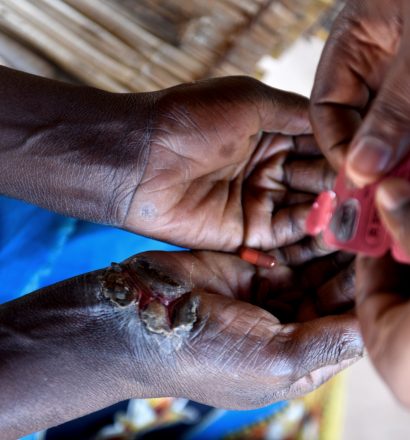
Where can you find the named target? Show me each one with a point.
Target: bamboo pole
(102, 41)
(115, 47)
(149, 42)
(4, 63)
(114, 19)
(163, 19)
(185, 50)
(118, 43)
(244, 6)
(15, 24)
(19, 57)
(70, 40)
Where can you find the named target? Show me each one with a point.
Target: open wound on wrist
(165, 306)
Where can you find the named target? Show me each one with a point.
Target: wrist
(75, 150)
(65, 340)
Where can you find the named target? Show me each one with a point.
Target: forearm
(69, 148)
(64, 353)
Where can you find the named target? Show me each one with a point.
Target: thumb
(393, 200)
(283, 112)
(383, 139)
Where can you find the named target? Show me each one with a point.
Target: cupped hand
(383, 295)
(231, 163)
(216, 343)
(361, 99)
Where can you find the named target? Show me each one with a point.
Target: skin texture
(68, 148)
(221, 345)
(361, 99)
(192, 165)
(361, 112)
(383, 293)
(210, 161)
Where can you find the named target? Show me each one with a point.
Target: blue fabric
(38, 247)
(30, 241)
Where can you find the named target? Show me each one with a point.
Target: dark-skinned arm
(165, 324)
(67, 148)
(212, 164)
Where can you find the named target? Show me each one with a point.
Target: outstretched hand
(221, 346)
(231, 163)
(201, 325)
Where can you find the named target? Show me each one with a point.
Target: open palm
(219, 345)
(230, 164)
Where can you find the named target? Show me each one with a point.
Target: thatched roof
(127, 45)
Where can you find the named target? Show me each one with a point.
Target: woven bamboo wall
(139, 45)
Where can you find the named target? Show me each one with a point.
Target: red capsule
(257, 258)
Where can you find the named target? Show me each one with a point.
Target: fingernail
(369, 157)
(393, 194)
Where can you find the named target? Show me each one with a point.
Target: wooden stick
(17, 56)
(71, 41)
(4, 63)
(114, 19)
(101, 40)
(106, 42)
(14, 23)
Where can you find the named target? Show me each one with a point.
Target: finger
(305, 250)
(269, 186)
(273, 167)
(313, 176)
(266, 229)
(377, 290)
(383, 139)
(320, 288)
(289, 198)
(359, 50)
(338, 98)
(272, 148)
(305, 145)
(313, 380)
(283, 112)
(337, 294)
(288, 225)
(393, 200)
(315, 274)
(269, 283)
(383, 310)
(278, 147)
(326, 289)
(322, 342)
(249, 342)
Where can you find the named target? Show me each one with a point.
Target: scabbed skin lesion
(116, 286)
(165, 305)
(179, 318)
